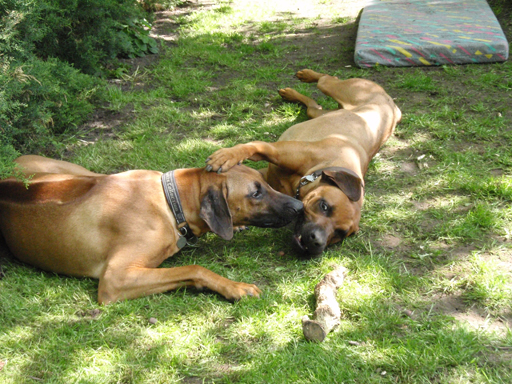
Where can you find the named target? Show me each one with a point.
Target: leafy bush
(140, 43)
(38, 100)
(86, 33)
(48, 50)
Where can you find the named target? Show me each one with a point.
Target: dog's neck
(190, 195)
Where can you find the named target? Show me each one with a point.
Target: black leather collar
(172, 196)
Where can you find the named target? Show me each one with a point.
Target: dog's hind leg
(349, 93)
(314, 109)
(309, 76)
(329, 85)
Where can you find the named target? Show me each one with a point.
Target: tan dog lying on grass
(323, 161)
(119, 228)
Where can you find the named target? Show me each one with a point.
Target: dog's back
(30, 164)
(35, 220)
(44, 188)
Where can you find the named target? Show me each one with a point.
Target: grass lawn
(428, 296)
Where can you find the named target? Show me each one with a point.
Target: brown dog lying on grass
(119, 228)
(323, 161)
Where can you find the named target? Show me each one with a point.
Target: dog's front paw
(224, 159)
(237, 291)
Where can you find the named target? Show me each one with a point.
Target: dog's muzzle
(309, 239)
(283, 215)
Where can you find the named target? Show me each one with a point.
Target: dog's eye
(258, 192)
(324, 206)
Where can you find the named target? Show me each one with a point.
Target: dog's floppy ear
(347, 181)
(215, 212)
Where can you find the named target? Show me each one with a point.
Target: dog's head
(332, 211)
(241, 197)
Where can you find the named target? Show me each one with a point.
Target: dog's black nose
(296, 205)
(315, 239)
(310, 239)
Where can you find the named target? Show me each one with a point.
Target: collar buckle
(308, 179)
(304, 180)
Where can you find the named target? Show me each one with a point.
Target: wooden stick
(327, 314)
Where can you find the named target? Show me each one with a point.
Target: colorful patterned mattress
(426, 32)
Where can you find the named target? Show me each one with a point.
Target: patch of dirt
(389, 241)
(166, 24)
(409, 168)
(104, 125)
(454, 306)
(421, 205)
(89, 314)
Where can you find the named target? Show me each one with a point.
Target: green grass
(428, 296)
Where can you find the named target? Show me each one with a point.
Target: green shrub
(48, 50)
(39, 99)
(49, 96)
(85, 33)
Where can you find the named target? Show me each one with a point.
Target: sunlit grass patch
(487, 284)
(489, 187)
